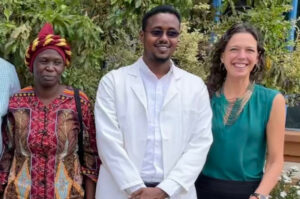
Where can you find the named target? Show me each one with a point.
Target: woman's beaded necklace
(234, 106)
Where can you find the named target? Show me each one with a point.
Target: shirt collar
(144, 69)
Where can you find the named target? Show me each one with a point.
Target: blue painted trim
(217, 6)
(293, 17)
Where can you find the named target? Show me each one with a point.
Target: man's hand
(149, 193)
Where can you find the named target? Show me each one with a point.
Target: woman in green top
(248, 122)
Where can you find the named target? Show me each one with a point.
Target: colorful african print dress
(40, 157)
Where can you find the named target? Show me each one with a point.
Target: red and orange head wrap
(47, 40)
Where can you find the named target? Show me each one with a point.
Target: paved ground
(287, 165)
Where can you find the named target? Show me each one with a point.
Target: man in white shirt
(153, 120)
(9, 84)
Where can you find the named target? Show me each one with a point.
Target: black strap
(80, 136)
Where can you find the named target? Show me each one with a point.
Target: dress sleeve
(7, 150)
(91, 159)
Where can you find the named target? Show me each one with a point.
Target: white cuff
(170, 187)
(134, 188)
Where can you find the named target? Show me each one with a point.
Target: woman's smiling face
(240, 55)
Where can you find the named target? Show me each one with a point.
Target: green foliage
(21, 21)
(284, 73)
(104, 35)
(131, 12)
(85, 79)
(288, 186)
(187, 55)
(269, 17)
(201, 17)
(123, 51)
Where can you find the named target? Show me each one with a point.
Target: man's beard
(161, 60)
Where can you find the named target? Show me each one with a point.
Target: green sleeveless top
(239, 149)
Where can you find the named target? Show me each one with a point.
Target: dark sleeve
(91, 158)
(7, 149)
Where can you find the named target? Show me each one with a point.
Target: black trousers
(211, 188)
(151, 184)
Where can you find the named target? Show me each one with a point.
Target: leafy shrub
(20, 22)
(104, 35)
(288, 187)
(190, 54)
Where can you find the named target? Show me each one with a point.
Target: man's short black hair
(157, 10)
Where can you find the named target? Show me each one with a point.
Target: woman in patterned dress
(40, 159)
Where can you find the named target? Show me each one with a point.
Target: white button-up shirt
(152, 167)
(9, 84)
(156, 89)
